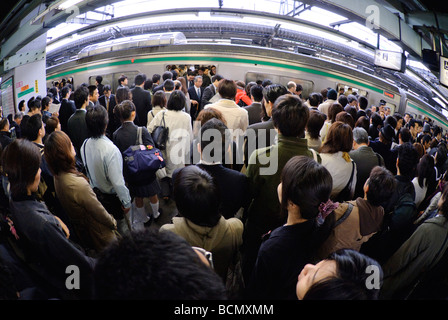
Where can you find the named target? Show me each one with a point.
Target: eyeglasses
(208, 255)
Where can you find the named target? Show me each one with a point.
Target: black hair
(140, 79)
(96, 121)
(121, 79)
(405, 134)
(350, 280)
(256, 91)
(155, 77)
(197, 197)
(315, 124)
(273, 91)
(376, 120)
(343, 100)
(21, 160)
(152, 265)
(217, 77)
(45, 102)
(123, 93)
(99, 79)
(64, 91)
(92, 89)
(21, 105)
(33, 125)
(391, 120)
(382, 184)
(80, 96)
(363, 102)
(159, 99)
(290, 115)
(176, 101)
(407, 160)
(305, 183)
(425, 170)
(314, 99)
(167, 75)
(168, 85)
(124, 110)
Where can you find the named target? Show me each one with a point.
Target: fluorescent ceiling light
(67, 4)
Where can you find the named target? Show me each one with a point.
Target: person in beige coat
(93, 225)
(201, 224)
(358, 220)
(237, 118)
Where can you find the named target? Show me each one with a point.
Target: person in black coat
(141, 99)
(210, 90)
(233, 185)
(76, 125)
(66, 109)
(124, 137)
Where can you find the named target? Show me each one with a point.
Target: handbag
(142, 161)
(160, 134)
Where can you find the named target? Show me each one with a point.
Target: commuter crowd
(278, 196)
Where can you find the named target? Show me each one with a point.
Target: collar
(294, 140)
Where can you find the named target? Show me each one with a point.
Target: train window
(308, 86)
(346, 90)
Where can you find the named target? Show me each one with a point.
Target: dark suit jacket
(112, 102)
(208, 93)
(254, 112)
(365, 159)
(255, 129)
(77, 130)
(194, 96)
(66, 110)
(126, 136)
(233, 187)
(142, 101)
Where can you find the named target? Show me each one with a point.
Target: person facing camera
(344, 275)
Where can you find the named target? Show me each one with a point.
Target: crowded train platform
(217, 178)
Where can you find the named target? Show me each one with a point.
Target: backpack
(141, 162)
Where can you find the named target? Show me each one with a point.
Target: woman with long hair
(303, 192)
(335, 157)
(94, 226)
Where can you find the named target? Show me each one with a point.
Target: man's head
(81, 97)
(198, 81)
(93, 94)
(407, 160)
(140, 79)
(152, 265)
(360, 137)
(290, 116)
(380, 186)
(96, 121)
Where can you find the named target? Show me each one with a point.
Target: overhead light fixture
(67, 4)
